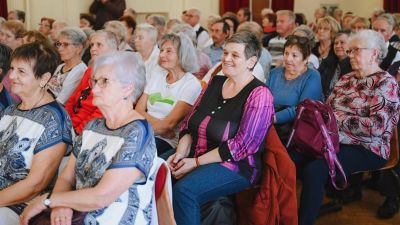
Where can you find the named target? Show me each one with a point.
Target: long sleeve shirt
(236, 126)
(366, 110)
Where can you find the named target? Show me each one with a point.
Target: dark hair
(252, 46)
(48, 19)
(300, 19)
(129, 21)
(225, 26)
(5, 54)
(42, 57)
(347, 32)
(272, 18)
(246, 12)
(302, 43)
(234, 20)
(89, 17)
(20, 15)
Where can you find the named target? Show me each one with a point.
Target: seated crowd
(88, 116)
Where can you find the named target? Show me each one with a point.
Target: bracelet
(197, 162)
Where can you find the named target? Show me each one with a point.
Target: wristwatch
(47, 201)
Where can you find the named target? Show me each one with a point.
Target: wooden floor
(359, 213)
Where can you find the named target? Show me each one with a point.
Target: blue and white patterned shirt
(24, 133)
(99, 149)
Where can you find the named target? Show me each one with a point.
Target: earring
(125, 98)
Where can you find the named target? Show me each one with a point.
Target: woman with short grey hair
(117, 149)
(172, 90)
(118, 28)
(70, 44)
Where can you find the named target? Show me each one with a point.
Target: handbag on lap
(315, 134)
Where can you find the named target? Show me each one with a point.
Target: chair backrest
(394, 151)
(163, 194)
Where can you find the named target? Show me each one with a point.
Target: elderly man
(285, 23)
(385, 24)
(193, 19)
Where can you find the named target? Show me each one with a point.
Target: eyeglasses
(293, 39)
(63, 44)
(354, 50)
(83, 96)
(44, 25)
(102, 82)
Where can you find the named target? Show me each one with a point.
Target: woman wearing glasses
(110, 174)
(70, 43)
(292, 83)
(79, 106)
(366, 106)
(34, 134)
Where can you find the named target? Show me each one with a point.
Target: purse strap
(330, 154)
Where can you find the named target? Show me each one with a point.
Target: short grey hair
(158, 20)
(74, 34)
(186, 51)
(150, 29)
(307, 32)
(187, 30)
(290, 14)
(118, 28)
(371, 39)
(111, 39)
(127, 68)
(252, 45)
(389, 18)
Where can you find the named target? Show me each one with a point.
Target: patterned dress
(24, 133)
(99, 149)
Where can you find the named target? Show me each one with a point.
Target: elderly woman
(80, 106)
(327, 27)
(359, 23)
(5, 55)
(293, 83)
(146, 45)
(365, 130)
(34, 134)
(172, 90)
(70, 43)
(11, 33)
(45, 25)
(332, 70)
(120, 31)
(203, 59)
(117, 149)
(222, 138)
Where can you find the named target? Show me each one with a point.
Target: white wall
(68, 10)
(358, 7)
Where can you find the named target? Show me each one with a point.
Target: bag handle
(330, 154)
(301, 109)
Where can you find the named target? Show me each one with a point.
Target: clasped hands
(180, 165)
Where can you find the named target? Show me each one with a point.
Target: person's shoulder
(277, 70)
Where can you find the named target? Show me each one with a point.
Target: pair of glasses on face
(63, 44)
(83, 96)
(101, 82)
(354, 50)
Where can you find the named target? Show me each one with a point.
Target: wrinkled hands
(34, 208)
(59, 216)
